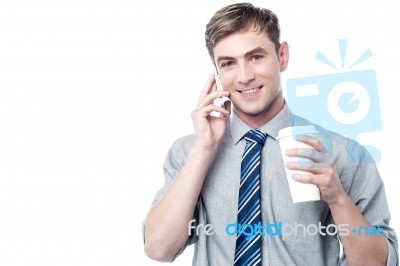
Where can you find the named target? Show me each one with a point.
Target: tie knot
(255, 135)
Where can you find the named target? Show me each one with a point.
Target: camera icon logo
(345, 102)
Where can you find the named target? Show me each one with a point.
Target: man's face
(250, 70)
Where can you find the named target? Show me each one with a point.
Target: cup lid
(296, 130)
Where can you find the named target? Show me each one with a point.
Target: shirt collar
(283, 119)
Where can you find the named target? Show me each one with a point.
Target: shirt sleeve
(364, 185)
(173, 164)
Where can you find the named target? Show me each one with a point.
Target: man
(203, 174)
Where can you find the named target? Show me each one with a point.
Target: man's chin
(249, 111)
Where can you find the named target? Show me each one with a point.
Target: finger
(307, 166)
(206, 110)
(209, 99)
(316, 179)
(314, 142)
(208, 87)
(227, 107)
(311, 154)
(306, 178)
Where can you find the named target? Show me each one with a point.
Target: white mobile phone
(220, 100)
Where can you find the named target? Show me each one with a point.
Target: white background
(92, 94)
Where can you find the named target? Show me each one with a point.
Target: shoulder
(178, 152)
(184, 142)
(181, 146)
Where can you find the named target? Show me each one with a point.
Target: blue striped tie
(248, 250)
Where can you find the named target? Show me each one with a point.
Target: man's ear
(283, 55)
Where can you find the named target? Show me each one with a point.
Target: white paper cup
(286, 137)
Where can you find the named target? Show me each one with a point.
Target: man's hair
(241, 17)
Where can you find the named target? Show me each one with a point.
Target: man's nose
(245, 74)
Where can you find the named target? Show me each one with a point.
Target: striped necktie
(248, 249)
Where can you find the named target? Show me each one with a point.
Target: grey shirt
(217, 204)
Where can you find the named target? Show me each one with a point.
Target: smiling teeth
(250, 91)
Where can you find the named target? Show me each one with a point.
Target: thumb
(228, 107)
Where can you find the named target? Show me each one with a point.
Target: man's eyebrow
(222, 58)
(254, 51)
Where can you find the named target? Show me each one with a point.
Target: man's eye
(227, 64)
(256, 57)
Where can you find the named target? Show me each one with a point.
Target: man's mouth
(252, 90)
